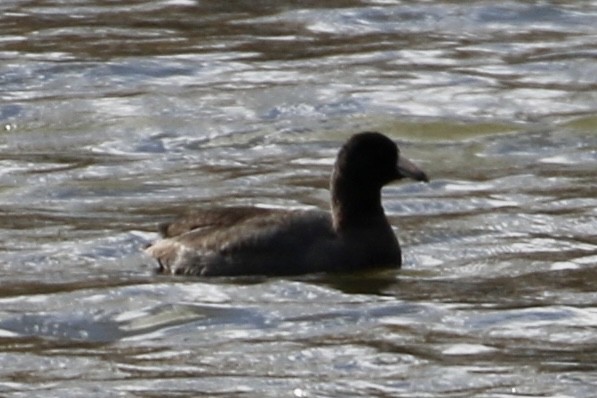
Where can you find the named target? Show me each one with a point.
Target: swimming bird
(355, 236)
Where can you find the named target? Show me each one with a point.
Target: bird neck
(355, 205)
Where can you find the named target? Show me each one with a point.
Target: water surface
(117, 116)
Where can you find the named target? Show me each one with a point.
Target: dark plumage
(257, 241)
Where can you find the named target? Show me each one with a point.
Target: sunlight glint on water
(115, 117)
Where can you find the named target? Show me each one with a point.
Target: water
(116, 116)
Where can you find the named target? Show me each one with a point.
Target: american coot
(258, 241)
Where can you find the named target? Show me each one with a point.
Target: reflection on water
(118, 116)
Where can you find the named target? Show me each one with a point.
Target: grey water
(115, 116)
